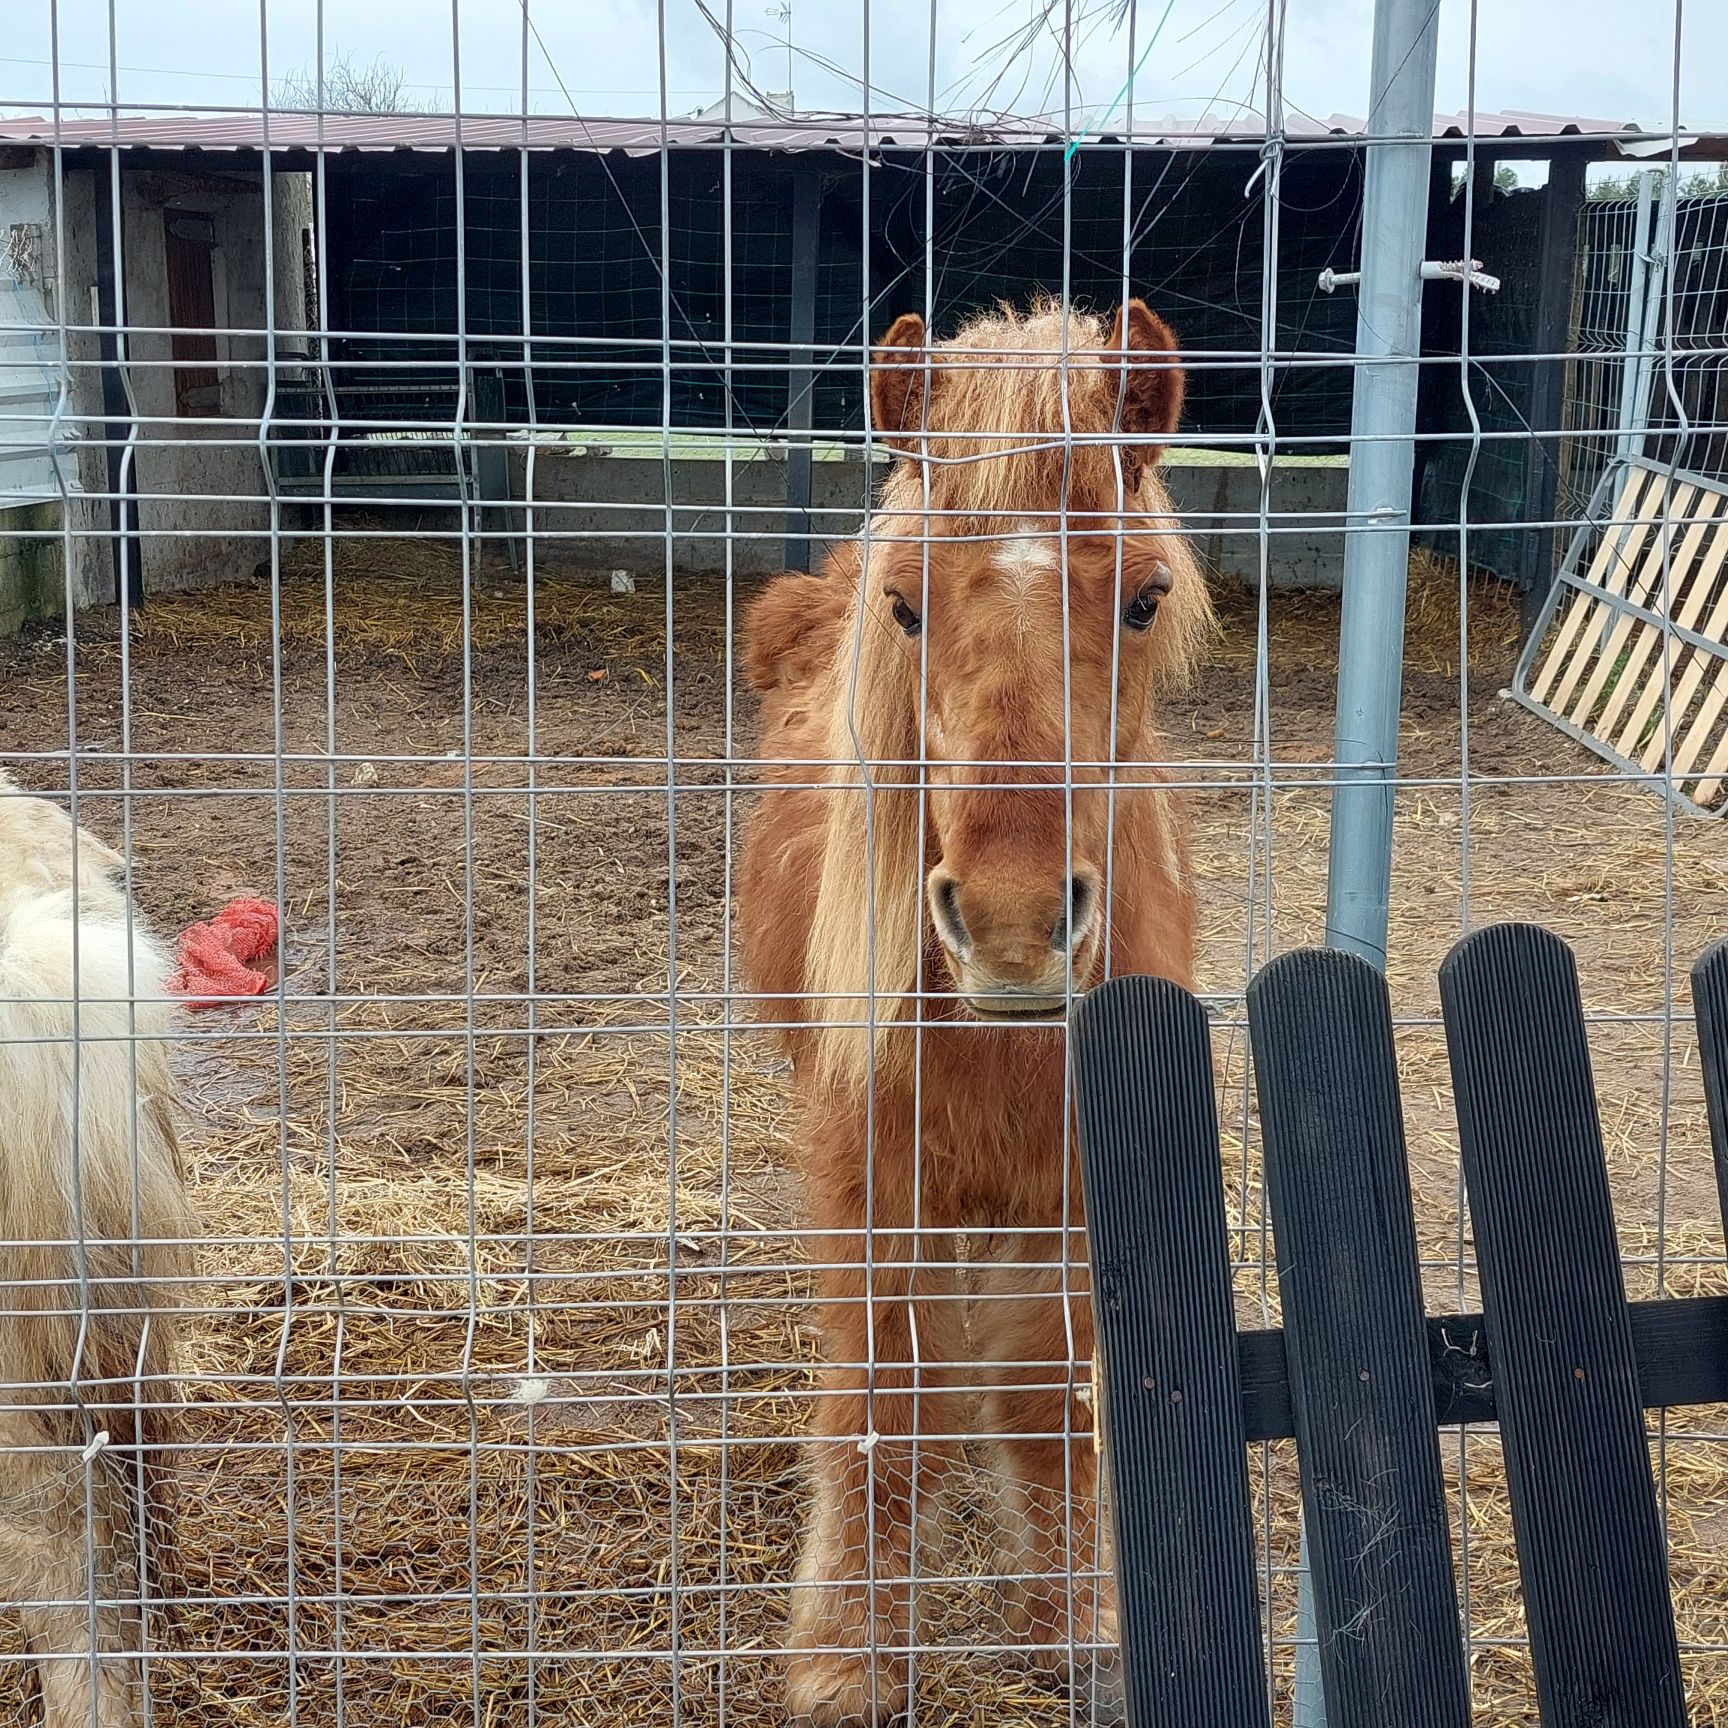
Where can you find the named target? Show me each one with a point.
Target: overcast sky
(1598, 58)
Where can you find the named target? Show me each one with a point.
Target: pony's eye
(906, 618)
(1142, 609)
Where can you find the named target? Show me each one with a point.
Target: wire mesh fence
(624, 1255)
(1624, 396)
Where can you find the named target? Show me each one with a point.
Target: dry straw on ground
(428, 1413)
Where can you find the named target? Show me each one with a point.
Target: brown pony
(921, 908)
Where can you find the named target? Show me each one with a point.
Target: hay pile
(429, 1417)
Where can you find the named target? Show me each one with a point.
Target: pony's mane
(868, 924)
(995, 432)
(992, 432)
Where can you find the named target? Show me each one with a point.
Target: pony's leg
(1030, 1323)
(59, 1638)
(47, 1547)
(885, 1431)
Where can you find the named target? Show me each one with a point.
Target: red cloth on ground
(215, 957)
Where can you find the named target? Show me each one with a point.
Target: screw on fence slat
(1710, 1005)
(1361, 1378)
(1590, 1541)
(1165, 1320)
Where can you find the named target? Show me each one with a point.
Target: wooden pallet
(1631, 653)
(1359, 1374)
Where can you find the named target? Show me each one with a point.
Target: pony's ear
(897, 381)
(1154, 382)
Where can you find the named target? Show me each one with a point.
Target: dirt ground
(439, 1178)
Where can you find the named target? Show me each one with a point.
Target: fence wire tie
(98, 1443)
(1273, 147)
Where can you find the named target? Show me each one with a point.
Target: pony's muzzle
(1016, 949)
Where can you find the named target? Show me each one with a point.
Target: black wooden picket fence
(1359, 1374)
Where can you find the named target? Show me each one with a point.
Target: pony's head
(1022, 595)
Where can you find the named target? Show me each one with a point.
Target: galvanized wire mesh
(382, 548)
(1629, 318)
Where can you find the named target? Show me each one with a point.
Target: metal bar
(1639, 303)
(800, 373)
(1382, 429)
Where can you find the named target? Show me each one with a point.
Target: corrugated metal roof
(435, 132)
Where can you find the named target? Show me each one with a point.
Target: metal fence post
(1637, 307)
(1399, 148)
(1382, 444)
(1644, 318)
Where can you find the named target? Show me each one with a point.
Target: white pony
(95, 1236)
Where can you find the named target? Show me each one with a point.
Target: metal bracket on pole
(1431, 270)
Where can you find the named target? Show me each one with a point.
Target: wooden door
(190, 241)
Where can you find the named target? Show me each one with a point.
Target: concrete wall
(199, 483)
(1304, 542)
(32, 583)
(92, 536)
(609, 511)
(203, 499)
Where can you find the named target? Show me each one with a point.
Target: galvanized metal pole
(1382, 447)
(1637, 310)
(1649, 284)
(1377, 541)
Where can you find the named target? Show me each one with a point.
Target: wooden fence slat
(1696, 669)
(1165, 1321)
(1710, 1007)
(1617, 579)
(1590, 1542)
(1610, 572)
(1620, 632)
(1709, 773)
(1680, 1344)
(1635, 501)
(1688, 610)
(1356, 1342)
(1674, 598)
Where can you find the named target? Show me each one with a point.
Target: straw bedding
(427, 1408)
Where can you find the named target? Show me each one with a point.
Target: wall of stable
(32, 572)
(606, 506)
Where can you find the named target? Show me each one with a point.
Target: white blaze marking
(1022, 562)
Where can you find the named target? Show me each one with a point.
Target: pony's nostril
(1076, 920)
(945, 910)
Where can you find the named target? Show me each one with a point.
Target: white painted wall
(45, 290)
(30, 346)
